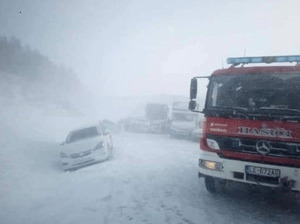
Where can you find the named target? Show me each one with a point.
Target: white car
(86, 146)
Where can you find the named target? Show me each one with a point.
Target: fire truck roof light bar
(271, 59)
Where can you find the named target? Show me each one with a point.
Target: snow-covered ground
(150, 179)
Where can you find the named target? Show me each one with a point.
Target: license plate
(262, 171)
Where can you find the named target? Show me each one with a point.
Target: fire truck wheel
(214, 185)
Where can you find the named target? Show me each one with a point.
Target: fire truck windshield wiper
(281, 110)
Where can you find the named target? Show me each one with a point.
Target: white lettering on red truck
(269, 132)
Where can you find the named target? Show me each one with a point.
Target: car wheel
(214, 185)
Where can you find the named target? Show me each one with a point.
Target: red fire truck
(251, 132)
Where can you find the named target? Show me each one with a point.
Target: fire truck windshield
(254, 95)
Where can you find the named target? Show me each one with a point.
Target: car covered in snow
(85, 146)
(136, 124)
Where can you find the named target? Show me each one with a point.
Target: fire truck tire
(214, 185)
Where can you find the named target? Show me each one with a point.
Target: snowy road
(150, 179)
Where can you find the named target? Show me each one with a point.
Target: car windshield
(255, 93)
(82, 134)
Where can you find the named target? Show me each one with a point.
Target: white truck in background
(184, 123)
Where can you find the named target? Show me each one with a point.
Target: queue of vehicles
(249, 134)
(175, 120)
(93, 144)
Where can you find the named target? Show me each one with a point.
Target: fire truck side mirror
(192, 105)
(193, 89)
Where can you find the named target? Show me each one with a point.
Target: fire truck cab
(251, 131)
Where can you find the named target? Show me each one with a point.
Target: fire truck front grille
(274, 148)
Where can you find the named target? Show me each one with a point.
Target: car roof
(85, 126)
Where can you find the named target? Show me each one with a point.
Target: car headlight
(100, 145)
(63, 155)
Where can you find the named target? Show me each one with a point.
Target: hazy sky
(150, 47)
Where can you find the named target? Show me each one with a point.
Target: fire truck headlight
(212, 144)
(211, 165)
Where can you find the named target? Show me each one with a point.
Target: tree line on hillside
(36, 77)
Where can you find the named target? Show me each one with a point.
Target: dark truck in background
(251, 131)
(159, 117)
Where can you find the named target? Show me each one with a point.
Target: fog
(134, 48)
(65, 64)
(119, 55)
